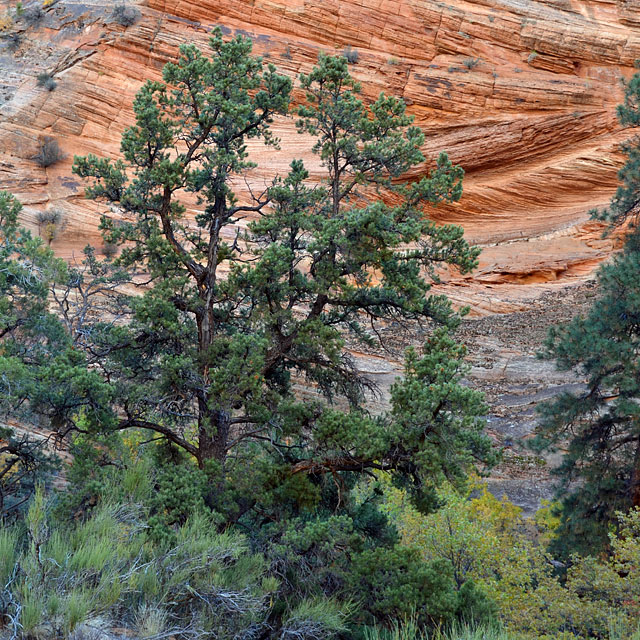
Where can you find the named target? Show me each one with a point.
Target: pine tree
(188, 358)
(48, 371)
(32, 344)
(600, 471)
(625, 204)
(240, 390)
(209, 362)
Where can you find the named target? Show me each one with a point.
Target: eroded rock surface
(521, 94)
(505, 365)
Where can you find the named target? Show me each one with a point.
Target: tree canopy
(600, 471)
(208, 362)
(225, 365)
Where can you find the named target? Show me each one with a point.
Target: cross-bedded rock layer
(521, 93)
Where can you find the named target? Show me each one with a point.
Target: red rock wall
(521, 93)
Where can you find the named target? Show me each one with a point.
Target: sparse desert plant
(408, 629)
(125, 15)
(315, 620)
(33, 15)
(19, 9)
(150, 621)
(471, 63)
(532, 56)
(405, 630)
(46, 81)
(86, 632)
(109, 250)
(49, 152)
(77, 608)
(62, 576)
(6, 22)
(13, 40)
(50, 222)
(350, 54)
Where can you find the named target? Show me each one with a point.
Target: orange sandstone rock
(521, 94)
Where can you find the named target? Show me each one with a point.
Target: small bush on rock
(49, 152)
(46, 81)
(109, 250)
(350, 54)
(50, 223)
(125, 15)
(14, 40)
(33, 15)
(6, 22)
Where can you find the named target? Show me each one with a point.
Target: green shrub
(408, 629)
(8, 550)
(46, 81)
(393, 583)
(31, 615)
(150, 621)
(65, 575)
(318, 619)
(77, 607)
(405, 630)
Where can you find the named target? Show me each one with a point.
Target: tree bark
(213, 436)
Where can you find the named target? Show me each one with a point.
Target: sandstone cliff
(522, 94)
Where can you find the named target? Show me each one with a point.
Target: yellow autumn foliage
(487, 540)
(6, 22)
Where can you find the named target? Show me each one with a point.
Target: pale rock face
(521, 94)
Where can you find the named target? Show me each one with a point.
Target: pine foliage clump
(600, 471)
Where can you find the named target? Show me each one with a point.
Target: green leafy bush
(392, 583)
